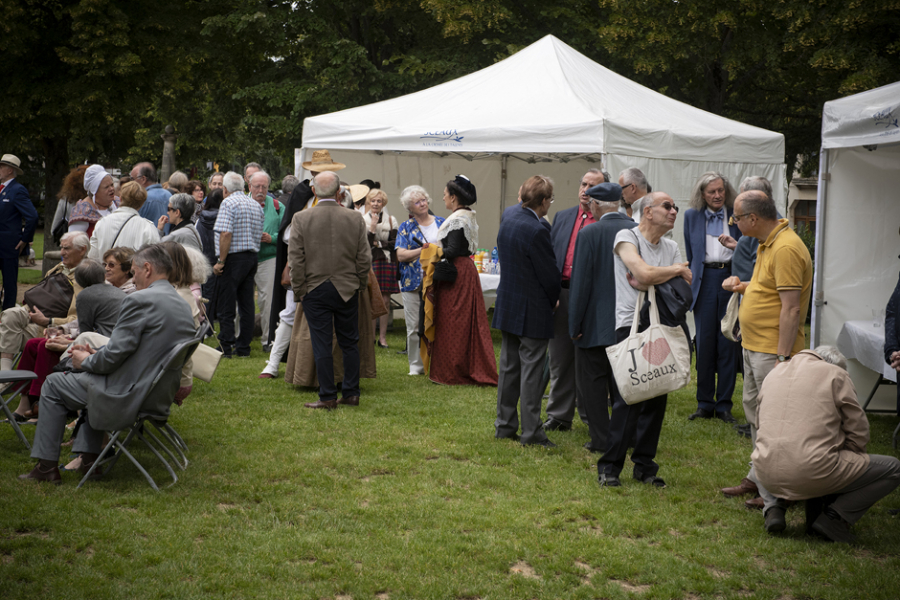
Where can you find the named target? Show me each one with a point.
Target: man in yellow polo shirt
(772, 316)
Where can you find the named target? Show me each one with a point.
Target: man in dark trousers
(592, 309)
(15, 207)
(526, 298)
(330, 260)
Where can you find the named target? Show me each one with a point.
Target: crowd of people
(323, 259)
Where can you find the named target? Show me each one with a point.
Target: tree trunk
(56, 167)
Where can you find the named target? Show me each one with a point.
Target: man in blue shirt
(157, 198)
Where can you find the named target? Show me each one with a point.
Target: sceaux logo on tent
(886, 118)
(447, 137)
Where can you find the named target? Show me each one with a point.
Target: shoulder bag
(653, 362)
(53, 296)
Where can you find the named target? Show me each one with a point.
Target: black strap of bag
(115, 239)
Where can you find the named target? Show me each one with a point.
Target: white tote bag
(653, 362)
(731, 326)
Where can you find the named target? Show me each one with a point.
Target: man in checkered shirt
(239, 227)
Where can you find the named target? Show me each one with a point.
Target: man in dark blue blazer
(710, 241)
(526, 298)
(567, 224)
(15, 207)
(592, 309)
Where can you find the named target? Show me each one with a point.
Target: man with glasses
(643, 257)
(592, 309)
(634, 187)
(773, 314)
(265, 271)
(567, 224)
(157, 198)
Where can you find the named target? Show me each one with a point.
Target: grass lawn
(410, 496)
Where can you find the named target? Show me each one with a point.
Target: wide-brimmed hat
(359, 192)
(321, 161)
(12, 161)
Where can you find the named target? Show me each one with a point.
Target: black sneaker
(775, 522)
(832, 527)
(651, 480)
(608, 480)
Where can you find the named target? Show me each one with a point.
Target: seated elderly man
(812, 441)
(116, 377)
(18, 324)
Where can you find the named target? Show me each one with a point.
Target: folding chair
(173, 365)
(18, 381)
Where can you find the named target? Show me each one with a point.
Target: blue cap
(605, 192)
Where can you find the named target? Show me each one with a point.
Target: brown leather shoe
(39, 473)
(326, 404)
(349, 401)
(746, 487)
(755, 503)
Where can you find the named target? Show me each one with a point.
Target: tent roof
(869, 118)
(546, 98)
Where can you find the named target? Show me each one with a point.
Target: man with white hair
(330, 261)
(265, 270)
(239, 226)
(634, 186)
(811, 446)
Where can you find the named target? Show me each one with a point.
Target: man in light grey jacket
(116, 378)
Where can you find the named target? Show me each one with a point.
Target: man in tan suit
(330, 261)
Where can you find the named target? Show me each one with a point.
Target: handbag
(205, 359)
(445, 271)
(731, 326)
(652, 362)
(53, 296)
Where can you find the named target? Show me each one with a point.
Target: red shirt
(584, 218)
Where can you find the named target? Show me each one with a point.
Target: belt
(717, 265)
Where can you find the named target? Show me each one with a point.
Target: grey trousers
(880, 479)
(563, 393)
(757, 365)
(521, 369)
(61, 393)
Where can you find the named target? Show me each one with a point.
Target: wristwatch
(220, 262)
(782, 358)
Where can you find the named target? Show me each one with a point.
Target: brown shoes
(326, 404)
(755, 503)
(349, 401)
(48, 474)
(746, 487)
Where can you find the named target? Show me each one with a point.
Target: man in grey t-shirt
(643, 258)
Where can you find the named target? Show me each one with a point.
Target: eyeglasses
(667, 206)
(170, 208)
(736, 218)
(552, 199)
(110, 265)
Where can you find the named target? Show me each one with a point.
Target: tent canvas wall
(545, 110)
(857, 219)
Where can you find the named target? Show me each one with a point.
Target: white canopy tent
(857, 219)
(545, 110)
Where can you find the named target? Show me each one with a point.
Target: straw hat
(11, 161)
(321, 161)
(359, 192)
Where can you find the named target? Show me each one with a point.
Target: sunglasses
(667, 206)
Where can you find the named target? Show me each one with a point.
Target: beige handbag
(205, 358)
(731, 326)
(653, 362)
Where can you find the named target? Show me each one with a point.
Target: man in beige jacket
(812, 441)
(330, 260)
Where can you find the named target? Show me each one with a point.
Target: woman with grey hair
(183, 231)
(413, 235)
(710, 241)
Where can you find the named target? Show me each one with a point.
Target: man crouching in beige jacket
(812, 444)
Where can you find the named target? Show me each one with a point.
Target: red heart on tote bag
(656, 352)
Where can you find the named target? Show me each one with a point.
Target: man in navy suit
(526, 298)
(566, 226)
(710, 241)
(15, 207)
(592, 309)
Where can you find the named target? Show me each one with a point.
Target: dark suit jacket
(151, 323)
(695, 243)
(529, 285)
(509, 209)
(592, 292)
(329, 243)
(15, 206)
(563, 222)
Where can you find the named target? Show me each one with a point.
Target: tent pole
(503, 160)
(818, 293)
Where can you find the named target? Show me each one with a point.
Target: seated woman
(182, 277)
(180, 211)
(100, 202)
(18, 324)
(98, 310)
(117, 262)
(457, 338)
